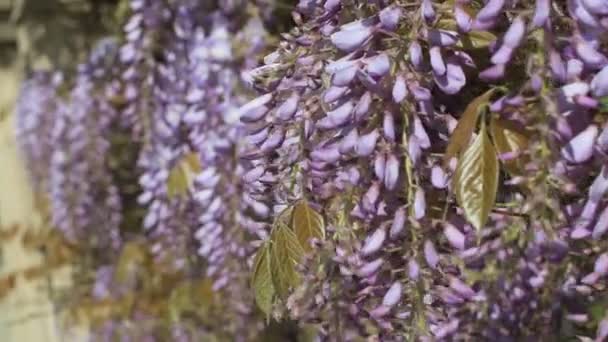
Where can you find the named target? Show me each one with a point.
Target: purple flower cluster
(358, 101)
(355, 109)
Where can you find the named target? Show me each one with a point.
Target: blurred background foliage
(36, 261)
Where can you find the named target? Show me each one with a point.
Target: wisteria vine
(385, 170)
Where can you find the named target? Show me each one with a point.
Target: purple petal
(493, 73)
(251, 110)
(601, 226)
(341, 115)
(558, 68)
(442, 37)
(599, 7)
(374, 242)
(343, 77)
(541, 13)
(439, 178)
(427, 11)
(502, 55)
(389, 17)
(334, 93)
(589, 55)
(362, 108)
(275, 139)
(454, 78)
(413, 269)
(398, 223)
(491, 10)
(415, 53)
(379, 166)
(515, 34)
(463, 19)
(388, 126)
(352, 38)
(379, 65)
(437, 62)
(419, 204)
(370, 268)
(349, 142)
(601, 265)
(599, 83)
(391, 174)
(399, 89)
(393, 295)
(420, 133)
(367, 144)
(580, 148)
(288, 108)
(454, 236)
(430, 254)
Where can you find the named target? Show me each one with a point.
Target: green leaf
(466, 126)
(476, 40)
(476, 179)
(285, 254)
(182, 175)
(307, 224)
(510, 138)
(262, 280)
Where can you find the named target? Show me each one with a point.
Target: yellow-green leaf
(508, 138)
(261, 282)
(466, 126)
(476, 179)
(182, 175)
(285, 254)
(131, 261)
(307, 224)
(476, 40)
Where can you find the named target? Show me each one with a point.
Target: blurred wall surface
(34, 34)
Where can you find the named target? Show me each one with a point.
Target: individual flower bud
(515, 34)
(334, 93)
(493, 73)
(367, 144)
(419, 204)
(398, 223)
(541, 13)
(601, 226)
(558, 68)
(388, 126)
(413, 269)
(371, 197)
(351, 36)
(427, 11)
(420, 93)
(437, 62)
(254, 174)
(379, 166)
(391, 174)
(461, 288)
(349, 142)
(598, 7)
(430, 254)
(580, 148)
(454, 78)
(326, 154)
(490, 11)
(258, 137)
(581, 14)
(275, 139)
(255, 109)
(439, 178)
(442, 37)
(342, 114)
(413, 150)
(599, 83)
(370, 268)
(362, 107)
(374, 242)
(502, 55)
(463, 19)
(574, 68)
(415, 53)
(389, 17)
(393, 295)
(589, 55)
(399, 89)
(454, 236)
(378, 65)
(601, 265)
(344, 77)
(420, 133)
